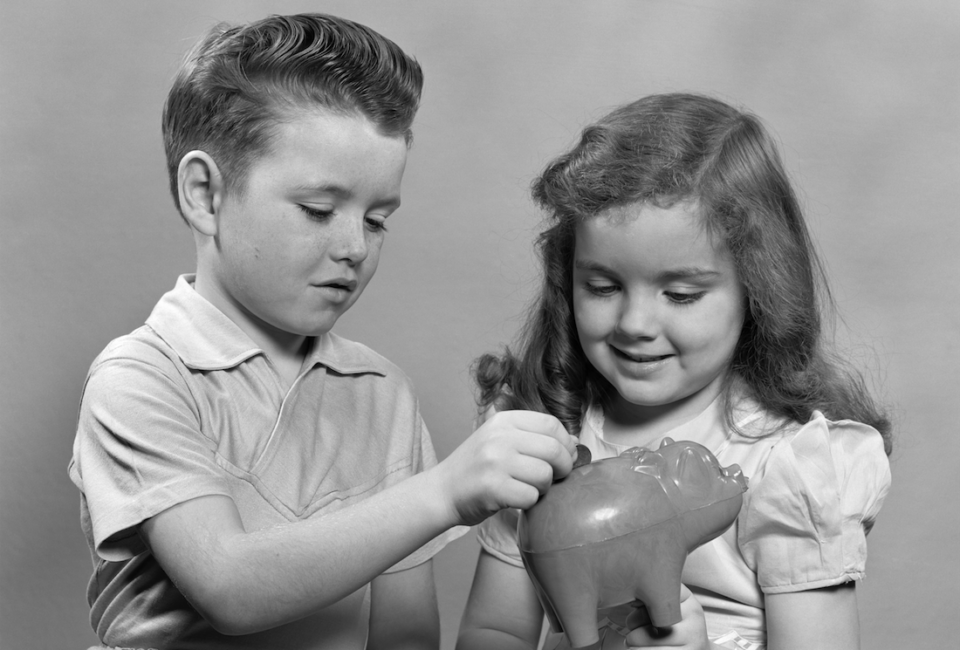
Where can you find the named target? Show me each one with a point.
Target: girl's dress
(814, 492)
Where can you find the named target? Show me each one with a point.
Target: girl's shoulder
(785, 445)
(814, 494)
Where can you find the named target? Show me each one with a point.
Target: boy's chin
(309, 329)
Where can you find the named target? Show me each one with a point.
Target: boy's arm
(403, 610)
(503, 610)
(243, 582)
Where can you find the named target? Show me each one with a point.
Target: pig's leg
(568, 584)
(657, 582)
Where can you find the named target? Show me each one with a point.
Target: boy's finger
(532, 471)
(543, 424)
(534, 422)
(545, 448)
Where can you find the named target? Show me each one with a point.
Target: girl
(682, 298)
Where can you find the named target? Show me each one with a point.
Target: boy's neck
(285, 350)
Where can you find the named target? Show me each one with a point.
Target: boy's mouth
(340, 284)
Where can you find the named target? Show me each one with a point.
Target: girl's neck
(635, 424)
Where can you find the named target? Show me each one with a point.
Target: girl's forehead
(649, 235)
(688, 208)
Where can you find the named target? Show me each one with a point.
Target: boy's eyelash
(377, 226)
(320, 215)
(313, 213)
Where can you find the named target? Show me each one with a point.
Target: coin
(583, 456)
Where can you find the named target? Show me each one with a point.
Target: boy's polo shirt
(188, 406)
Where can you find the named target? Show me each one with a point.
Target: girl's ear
(201, 191)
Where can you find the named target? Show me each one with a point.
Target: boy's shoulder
(352, 357)
(142, 344)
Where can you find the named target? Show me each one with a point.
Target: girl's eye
(684, 298)
(376, 225)
(600, 289)
(314, 213)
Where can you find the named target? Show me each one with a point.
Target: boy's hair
(664, 149)
(238, 82)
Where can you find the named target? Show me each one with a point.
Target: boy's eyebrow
(343, 193)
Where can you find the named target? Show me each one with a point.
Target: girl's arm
(689, 634)
(503, 611)
(403, 610)
(826, 619)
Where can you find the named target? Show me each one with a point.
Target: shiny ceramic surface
(618, 530)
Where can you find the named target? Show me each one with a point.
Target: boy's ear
(201, 191)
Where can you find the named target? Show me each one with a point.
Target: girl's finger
(650, 638)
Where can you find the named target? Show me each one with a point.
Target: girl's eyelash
(684, 298)
(600, 290)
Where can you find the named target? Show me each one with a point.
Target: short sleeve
(805, 518)
(498, 536)
(139, 449)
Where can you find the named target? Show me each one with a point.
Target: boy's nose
(351, 241)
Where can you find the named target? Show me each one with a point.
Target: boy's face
(299, 243)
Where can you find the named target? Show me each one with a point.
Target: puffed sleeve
(805, 518)
(498, 536)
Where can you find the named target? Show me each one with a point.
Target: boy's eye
(681, 298)
(314, 213)
(376, 225)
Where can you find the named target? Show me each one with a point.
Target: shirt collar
(206, 339)
(343, 356)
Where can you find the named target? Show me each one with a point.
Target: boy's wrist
(436, 498)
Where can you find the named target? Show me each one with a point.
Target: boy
(245, 473)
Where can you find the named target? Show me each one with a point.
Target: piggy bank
(618, 530)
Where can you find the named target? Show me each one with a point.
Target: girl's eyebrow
(689, 273)
(680, 273)
(587, 265)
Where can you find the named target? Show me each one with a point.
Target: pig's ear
(666, 441)
(693, 475)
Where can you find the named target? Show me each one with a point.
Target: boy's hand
(690, 633)
(506, 463)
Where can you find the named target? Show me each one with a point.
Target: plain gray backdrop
(863, 96)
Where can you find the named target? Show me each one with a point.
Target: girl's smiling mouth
(640, 358)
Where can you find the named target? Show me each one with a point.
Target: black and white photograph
(502, 325)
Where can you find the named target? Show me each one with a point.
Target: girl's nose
(638, 319)
(351, 240)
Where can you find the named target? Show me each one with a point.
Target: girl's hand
(690, 633)
(506, 463)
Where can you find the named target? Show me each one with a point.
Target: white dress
(815, 491)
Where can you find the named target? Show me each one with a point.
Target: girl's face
(658, 308)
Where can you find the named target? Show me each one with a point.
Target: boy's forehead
(320, 149)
